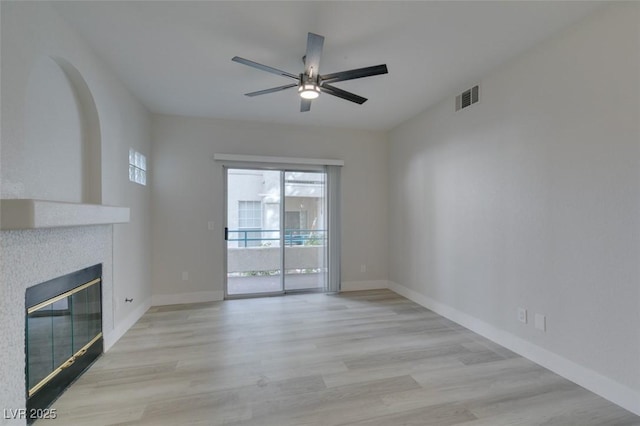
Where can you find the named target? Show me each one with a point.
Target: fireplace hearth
(63, 333)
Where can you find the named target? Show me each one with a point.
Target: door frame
(282, 168)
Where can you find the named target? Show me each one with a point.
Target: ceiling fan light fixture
(309, 90)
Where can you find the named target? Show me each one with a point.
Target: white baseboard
(364, 285)
(607, 388)
(180, 298)
(111, 337)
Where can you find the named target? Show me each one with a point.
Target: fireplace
(63, 333)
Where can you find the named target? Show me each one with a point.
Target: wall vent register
(467, 98)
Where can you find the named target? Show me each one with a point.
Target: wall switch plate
(522, 315)
(363, 268)
(541, 322)
(185, 276)
(210, 226)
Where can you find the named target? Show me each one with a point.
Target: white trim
(364, 285)
(333, 223)
(33, 214)
(277, 160)
(111, 337)
(595, 382)
(223, 241)
(180, 298)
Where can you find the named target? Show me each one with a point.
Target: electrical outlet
(210, 226)
(363, 268)
(541, 322)
(522, 315)
(185, 276)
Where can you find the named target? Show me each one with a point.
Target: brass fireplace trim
(62, 296)
(65, 364)
(80, 352)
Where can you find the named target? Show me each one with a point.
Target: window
(250, 223)
(137, 167)
(250, 214)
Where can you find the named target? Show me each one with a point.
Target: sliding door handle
(226, 233)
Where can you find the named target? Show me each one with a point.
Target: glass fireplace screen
(60, 331)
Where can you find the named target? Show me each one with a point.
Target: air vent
(467, 98)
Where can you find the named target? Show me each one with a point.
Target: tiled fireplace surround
(29, 257)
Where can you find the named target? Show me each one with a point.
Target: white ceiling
(175, 56)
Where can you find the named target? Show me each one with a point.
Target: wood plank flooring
(362, 358)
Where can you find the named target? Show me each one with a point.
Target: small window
(137, 167)
(250, 214)
(250, 223)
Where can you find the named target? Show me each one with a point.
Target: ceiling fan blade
(272, 90)
(263, 67)
(305, 105)
(315, 43)
(332, 90)
(353, 74)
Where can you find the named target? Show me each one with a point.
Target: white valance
(277, 160)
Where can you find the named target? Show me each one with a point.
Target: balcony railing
(292, 237)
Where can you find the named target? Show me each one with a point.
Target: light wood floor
(362, 358)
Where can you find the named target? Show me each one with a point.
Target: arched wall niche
(92, 146)
(62, 146)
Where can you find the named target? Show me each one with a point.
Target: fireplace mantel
(35, 214)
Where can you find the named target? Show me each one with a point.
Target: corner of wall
(182, 298)
(111, 337)
(364, 285)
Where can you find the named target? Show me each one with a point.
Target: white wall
(47, 142)
(531, 198)
(53, 127)
(188, 193)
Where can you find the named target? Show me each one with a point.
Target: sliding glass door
(254, 264)
(275, 231)
(304, 231)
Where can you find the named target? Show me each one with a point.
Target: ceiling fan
(310, 83)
